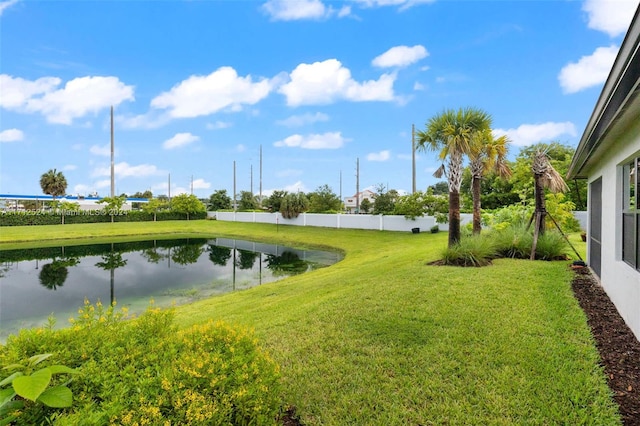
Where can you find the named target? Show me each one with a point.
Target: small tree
(385, 200)
(274, 202)
(323, 199)
(154, 206)
(247, 201)
(113, 204)
(187, 204)
(53, 183)
(293, 204)
(219, 200)
(365, 206)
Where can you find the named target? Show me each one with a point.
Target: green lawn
(383, 339)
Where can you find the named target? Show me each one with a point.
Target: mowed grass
(381, 338)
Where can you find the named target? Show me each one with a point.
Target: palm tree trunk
(475, 191)
(454, 218)
(541, 208)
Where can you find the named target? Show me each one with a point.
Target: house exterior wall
(620, 280)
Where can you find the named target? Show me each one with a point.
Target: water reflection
(39, 281)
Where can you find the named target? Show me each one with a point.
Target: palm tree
(452, 133)
(53, 183)
(544, 177)
(487, 154)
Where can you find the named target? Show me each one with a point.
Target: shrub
(435, 229)
(475, 250)
(145, 371)
(551, 246)
(516, 242)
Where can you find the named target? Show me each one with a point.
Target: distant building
(11, 202)
(352, 203)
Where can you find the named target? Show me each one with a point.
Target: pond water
(35, 283)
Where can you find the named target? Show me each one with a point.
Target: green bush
(95, 216)
(475, 250)
(145, 371)
(516, 242)
(551, 246)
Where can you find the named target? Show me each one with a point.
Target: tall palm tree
(53, 183)
(487, 153)
(452, 133)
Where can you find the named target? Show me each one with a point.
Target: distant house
(608, 156)
(351, 204)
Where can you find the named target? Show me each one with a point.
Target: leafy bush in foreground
(145, 371)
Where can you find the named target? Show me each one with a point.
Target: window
(631, 213)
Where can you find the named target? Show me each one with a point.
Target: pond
(36, 283)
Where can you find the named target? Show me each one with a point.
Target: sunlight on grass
(381, 338)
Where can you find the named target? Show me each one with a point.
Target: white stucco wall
(620, 281)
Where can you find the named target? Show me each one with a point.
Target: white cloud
(125, 170)
(69, 167)
(403, 4)
(150, 120)
(11, 135)
(241, 148)
(293, 10)
(330, 140)
(589, 71)
(180, 140)
(218, 125)
(105, 183)
(610, 16)
(528, 134)
(76, 99)
(82, 189)
(17, 91)
(379, 156)
(400, 56)
(328, 81)
(204, 95)
(304, 119)
(295, 187)
(104, 151)
(418, 86)
(5, 4)
(201, 184)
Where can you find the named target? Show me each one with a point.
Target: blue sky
(197, 85)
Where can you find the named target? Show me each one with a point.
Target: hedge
(90, 216)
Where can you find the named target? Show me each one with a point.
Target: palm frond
(441, 171)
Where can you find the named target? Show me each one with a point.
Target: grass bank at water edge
(383, 339)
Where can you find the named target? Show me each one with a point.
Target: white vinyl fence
(352, 221)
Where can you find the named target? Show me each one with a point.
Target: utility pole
(340, 187)
(169, 189)
(260, 175)
(413, 155)
(358, 185)
(191, 184)
(251, 180)
(234, 186)
(113, 184)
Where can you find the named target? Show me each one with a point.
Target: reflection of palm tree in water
(112, 261)
(54, 274)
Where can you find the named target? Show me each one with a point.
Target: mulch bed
(619, 349)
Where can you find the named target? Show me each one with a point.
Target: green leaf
(14, 367)
(57, 397)
(36, 359)
(57, 369)
(10, 378)
(6, 395)
(31, 387)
